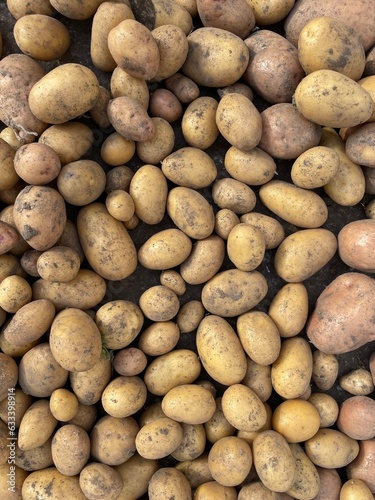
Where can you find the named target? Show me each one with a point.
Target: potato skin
(51, 482)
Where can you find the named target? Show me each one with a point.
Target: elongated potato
(130, 119)
(331, 448)
(289, 309)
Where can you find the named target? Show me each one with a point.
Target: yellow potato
(198, 123)
(37, 425)
(41, 37)
(212, 489)
(15, 293)
(52, 482)
(189, 316)
(124, 84)
(220, 350)
(63, 404)
(173, 48)
(218, 426)
(178, 367)
(316, 101)
(164, 12)
(274, 461)
(233, 292)
(65, 93)
(161, 145)
(329, 43)
(158, 438)
(225, 220)
(243, 408)
(136, 473)
(303, 253)
(120, 205)
(296, 419)
(234, 195)
(358, 382)
(193, 442)
(70, 448)
(359, 146)
(149, 191)
(325, 370)
(258, 378)
(59, 263)
(289, 309)
(204, 261)
(159, 338)
(315, 167)
(355, 488)
(291, 372)
(331, 449)
(227, 62)
(326, 406)
(191, 212)
(254, 167)
(246, 246)
(115, 151)
(98, 479)
(189, 403)
(88, 386)
(230, 460)
(307, 481)
(189, 167)
(124, 396)
(81, 182)
(295, 205)
(368, 83)
(268, 12)
(173, 280)
(166, 482)
(159, 303)
(271, 228)
(36, 459)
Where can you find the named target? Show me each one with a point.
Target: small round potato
(198, 123)
(159, 303)
(15, 292)
(173, 48)
(189, 316)
(120, 205)
(159, 338)
(225, 220)
(258, 378)
(129, 361)
(161, 145)
(63, 404)
(326, 406)
(230, 460)
(81, 182)
(165, 104)
(173, 280)
(296, 419)
(117, 150)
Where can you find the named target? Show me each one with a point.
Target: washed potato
(173, 48)
(303, 253)
(328, 43)
(254, 167)
(291, 372)
(123, 83)
(315, 167)
(246, 246)
(230, 460)
(296, 419)
(239, 121)
(220, 350)
(331, 449)
(199, 123)
(41, 37)
(159, 338)
(189, 167)
(295, 205)
(355, 488)
(189, 403)
(326, 406)
(234, 195)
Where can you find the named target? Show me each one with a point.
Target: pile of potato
(164, 212)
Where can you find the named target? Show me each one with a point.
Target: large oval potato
(106, 243)
(189, 403)
(331, 449)
(164, 433)
(165, 249)
(52, 482)
(243, 408)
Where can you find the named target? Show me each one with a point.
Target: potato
(97, 479)
(81, 182)
(37, 163)
(246, 246)
(355, 418)
(165, 249)
(15, 292)
(368, 83)
(18, 8)
(160, 146)
(134, 49)
(159, 338)
(70, 449)
(9, 375)
(225, 220)
(86, 290)
(254, 167)
(259, 337)
(328, 43)
(95, 219)
(35, 459)
(130, 119)
(230, 460)
(218, 426)
(189, 167)
(75, 9)
(196, 470)
(113, 439)
(347, 187)
(10, 237)
(129, 361)
(199, 123)
(325, 370)
(317, 103)
(289, 309)
(41, 37)
(30, 322)
(37, 425)
(258, 378)
(20, 72)
(331, 449)
(291, 372)
(183, 87)
(243, 408)
(286, 133)
(357, 382)
(165, 104)
(212, 489)
(362, 466)
(51, 482)
(40, 216)
(227, 52)
(315, 167)
(220, 295)
(257, 491)
(173, 48)
(159, 303)
(204, 260)
(8, 135)
(193, 442)
(326, 406)
(167, 482)
(354, 288)
(190, 212)
(163, 12)
(303, 253)
(234, 195)
(149, 191)
(178, 367)
(63, 404)
(136, 473)
(355, 488)
(124, 84)
(75, 340)
(98, 113)
(189, 403)
(9, 177)
(236, 113)
(107, 16)
(39, 372)
(305, 10)
(118, 178)
(307, 482)
(70, 140)
(296, 419)
(220, 350)
(88, 385)
(173, 280)
(124, 396)
(359, 146)
(270, 12)
(189, 316)
(59, 263)
(240, 20)
(295, 205)
(273, 81)
(158, 438)
(274, 461)
(85, 417)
